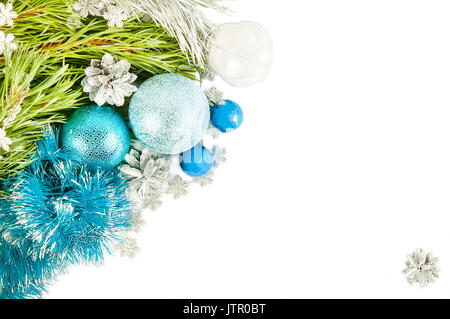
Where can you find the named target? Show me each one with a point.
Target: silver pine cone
(421, 268)
(109, 81)
(148, 173)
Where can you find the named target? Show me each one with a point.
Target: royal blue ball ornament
(97, 136)
(169, 113)
(227, 116)
(197, 161)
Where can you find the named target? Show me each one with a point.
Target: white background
(341, 168)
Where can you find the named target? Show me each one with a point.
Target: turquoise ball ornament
(169, 113)
(197, 161)
(226, 117)
(97, 136)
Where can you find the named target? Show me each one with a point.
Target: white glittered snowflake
(115, 16)
(178, 187)
(89, 7)
(129, 248)
(108, 9)
(421, 268)
(4, 140)
(7, 42)
(205, 180)
(136, 221)
(153, 202)
(7, 15)
(109, 81)
(219, 154)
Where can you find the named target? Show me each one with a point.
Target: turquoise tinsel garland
(59, 213)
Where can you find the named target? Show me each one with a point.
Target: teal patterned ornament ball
(97, 136)
(169, 113)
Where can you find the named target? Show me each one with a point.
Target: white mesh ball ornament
(241, 53)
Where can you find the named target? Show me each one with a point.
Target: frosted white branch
(4, 140)
(7, 43)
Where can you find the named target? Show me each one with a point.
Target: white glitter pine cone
(108, 81)
(147, 172)
(421, 268)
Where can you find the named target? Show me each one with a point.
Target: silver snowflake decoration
(136, 221)
(205, 180)
(109, 81)
(421, 268)
(7, 15)
(129, 248)
(219, 154)
(115, 16)
(108, 9)
(153, 202)
(89, 7)
(178, 187)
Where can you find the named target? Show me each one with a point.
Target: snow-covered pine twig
(5, 141)
(7, 43)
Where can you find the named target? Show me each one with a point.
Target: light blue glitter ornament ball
(169, 113)
(96, 135)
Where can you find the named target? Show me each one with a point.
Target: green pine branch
(53, 26)
(41, 100)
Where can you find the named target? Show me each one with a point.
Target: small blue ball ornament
(197, 162)
(169, 113)
(97, 136)
(227, 117)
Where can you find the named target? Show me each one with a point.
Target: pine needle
(46, 100)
